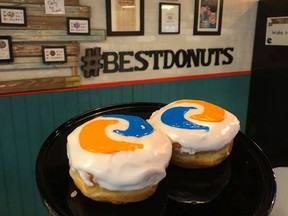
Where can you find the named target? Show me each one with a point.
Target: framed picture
(54, 54)
(6, 51)
(78, 26)
(208, 17)
(169, 18)
(125, 17)
(13, 16)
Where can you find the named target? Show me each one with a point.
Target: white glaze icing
(192, 141)
(123, 170)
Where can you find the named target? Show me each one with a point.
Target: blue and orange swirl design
(174, 116)
(93, 137)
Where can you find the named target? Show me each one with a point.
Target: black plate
(244, 184)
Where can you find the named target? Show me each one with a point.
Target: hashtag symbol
(91, 61)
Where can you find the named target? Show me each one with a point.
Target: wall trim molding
(134, 82)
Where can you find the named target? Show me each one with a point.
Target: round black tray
(244, 184)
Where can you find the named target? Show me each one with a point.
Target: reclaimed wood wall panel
(29, 57)
(36, 63)
(67, 2)
(44, 30)
(39, 84)
(52, 35)
(21, 49)
(41, 22)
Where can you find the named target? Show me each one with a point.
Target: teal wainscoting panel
(27, 120)
(10, 183)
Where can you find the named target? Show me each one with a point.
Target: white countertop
(281, 204)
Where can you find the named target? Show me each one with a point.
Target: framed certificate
(13, 16)
(54, 54)
(78, 26)
(6, 51)
(125, 18)
(169, 18)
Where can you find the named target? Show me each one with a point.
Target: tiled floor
(281, 203)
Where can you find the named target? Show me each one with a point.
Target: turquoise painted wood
(27, 120)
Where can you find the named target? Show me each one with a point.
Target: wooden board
(21, 49)
(53, 35)
(41, 22)
(67, 2)
(29, 56)
(36, 63)
(38, 84)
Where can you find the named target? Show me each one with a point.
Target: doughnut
(201, 133)
(117, 158)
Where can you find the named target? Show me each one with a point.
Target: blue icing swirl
(174, 117)
(137, 126)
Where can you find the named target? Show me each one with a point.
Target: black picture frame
(169, 18)
(120, 23)
(78, 26)
(208, 17)
(6, 49)
(13, 16)
(54, 54)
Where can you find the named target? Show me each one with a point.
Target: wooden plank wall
(44, 30)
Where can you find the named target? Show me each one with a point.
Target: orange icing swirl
(211, 113)
(93, 138)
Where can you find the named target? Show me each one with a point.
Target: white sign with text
(54, 7)
(277, 31)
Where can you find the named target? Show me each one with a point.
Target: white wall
(238, 28)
